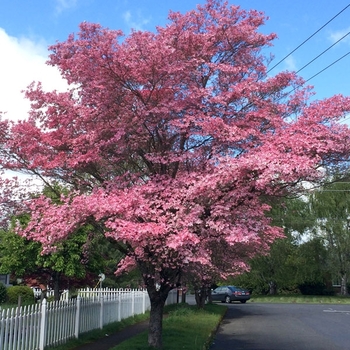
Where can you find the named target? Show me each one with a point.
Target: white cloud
(21, 62)
(337, 35)
(127, 17)
(290, 64)
(62, 5)
(135, 22)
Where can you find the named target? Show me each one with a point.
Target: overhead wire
(322, 53)
(319, 72)
(322, 70)
(306, 40)
(330, 65)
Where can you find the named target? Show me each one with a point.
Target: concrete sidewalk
(111, 340)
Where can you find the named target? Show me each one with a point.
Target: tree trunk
(157, 298)
(56, 286)
(210, 298)
(343, 286)
(43, 294)
(200, 295)
(156, 324)
(273, 288)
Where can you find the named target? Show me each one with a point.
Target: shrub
(314, 288)
(25, 292)
(3, 293)
(292, 290)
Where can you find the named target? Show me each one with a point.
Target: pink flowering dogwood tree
(171, 143)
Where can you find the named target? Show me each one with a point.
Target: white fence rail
(49, 293)
(38, 326)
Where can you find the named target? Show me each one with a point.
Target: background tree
(311, 267)
(76, 261)
(273, 271)
(299, 259)
(276, 269)
(331, 207)
(17, 255)
(172, 141)
(284, 262)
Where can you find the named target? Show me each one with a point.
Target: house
(5, 279)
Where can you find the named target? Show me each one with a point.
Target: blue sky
(27, 27)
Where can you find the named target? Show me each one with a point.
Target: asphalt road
(254, 326)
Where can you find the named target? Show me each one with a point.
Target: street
(284, 327)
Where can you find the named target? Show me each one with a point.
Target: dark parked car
(226, 294)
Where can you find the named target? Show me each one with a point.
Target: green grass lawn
(185, 328)
(298, 298)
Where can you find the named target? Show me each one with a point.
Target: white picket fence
(38, 326)
(49, 293)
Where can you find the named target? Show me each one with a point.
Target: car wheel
(227, 299)
(243, 301)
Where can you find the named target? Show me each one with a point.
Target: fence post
(77, 318)
(119, 306)
(132, 302)
(143, 302)
(101, 311)
(42, 335)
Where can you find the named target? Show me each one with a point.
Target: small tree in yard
(170, 143)
(74, 262)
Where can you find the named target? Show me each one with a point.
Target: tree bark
(155, 339)
(157, 298)
(210, 299)
(200, 295)
(273, 288)
(56, 286)
(343, 286)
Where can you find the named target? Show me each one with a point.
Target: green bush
(3, 293)
(315, 288)
(25, 292)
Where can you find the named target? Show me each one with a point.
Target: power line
(327, 67)
(306, 40)
(345, 119)
(322, 70)
(323, 52)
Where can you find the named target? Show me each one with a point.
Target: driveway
(254, 326)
